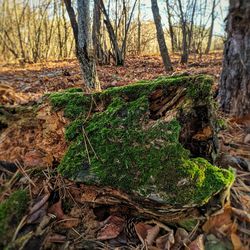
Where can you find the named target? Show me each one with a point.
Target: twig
(19, 166)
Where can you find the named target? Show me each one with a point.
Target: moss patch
(11, 212)
(115, 142)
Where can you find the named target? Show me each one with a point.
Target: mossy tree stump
(148, 144)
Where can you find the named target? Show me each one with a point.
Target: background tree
(211, 29)
(82, 35)
(170, 27)
(235, 77)
(99, 52)
(160, 37)
(119, 49)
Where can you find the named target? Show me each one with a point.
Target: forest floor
(78, 226)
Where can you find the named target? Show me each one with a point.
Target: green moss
(188, 224)
(221, 124)
(74, 103)
(144, 88)
(197, 180)
(73, 90)
(11, 212)
(200, 88)
(122, 147)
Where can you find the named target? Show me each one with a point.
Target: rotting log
(148, 146)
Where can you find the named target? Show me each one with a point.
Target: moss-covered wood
(150, 139)
(11, 212)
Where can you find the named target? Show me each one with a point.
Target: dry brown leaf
(56, 238)
(237, 244)
(219, 223)
(141, 230)
(69, 222)
(33, 158)
(204, 134)
(152, 234)
(56, 209)
(180, 235)
(38, 214)
(75, 212)
(153, 248)
(197, 244)
(41, 201)
(241, 214)
(109, 231)
(113, 226)
(245, 202)
(166, 241)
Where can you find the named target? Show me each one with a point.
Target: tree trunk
(86, 59)
(184, 56)
(139, 28)
(113, 38)
(171, 30)
(160, 37)
(190, 31)
(235, 77)
(96, 34)
(73, 22)
(210, 36)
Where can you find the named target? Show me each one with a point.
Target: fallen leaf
(166, 241)
(113, 226)
(69, 222)
(41, 201)
(204, 134)
(56, 209)
(141, 230)
(237, 244)
(197, 244)
(220, 222)
(241, 214)
(180, 235)
(56, 238)
(181, 238)
(33, 158)
(109, 231)
(245, 201)
(41, 212)
(152, 234)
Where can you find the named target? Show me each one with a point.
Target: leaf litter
(55, 218)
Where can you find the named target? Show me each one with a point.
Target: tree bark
(210, 36)
(96, 34)
(160, 36)
(73, 22)
(184, 56)
(190, 31)
(86, 59)
(139, 28)
(235, 78)
(171, 30)
(113, 38)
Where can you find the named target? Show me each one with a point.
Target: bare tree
(210, 36)
(82, 36)
(101, 56)
(160, 36)
(73, 22)
(235, 78)
(86, 59)
(171, 29)
(184, 56)
(139, 28)
(118, 51)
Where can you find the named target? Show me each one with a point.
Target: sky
(221, 11)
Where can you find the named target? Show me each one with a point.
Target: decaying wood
(132, 203)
